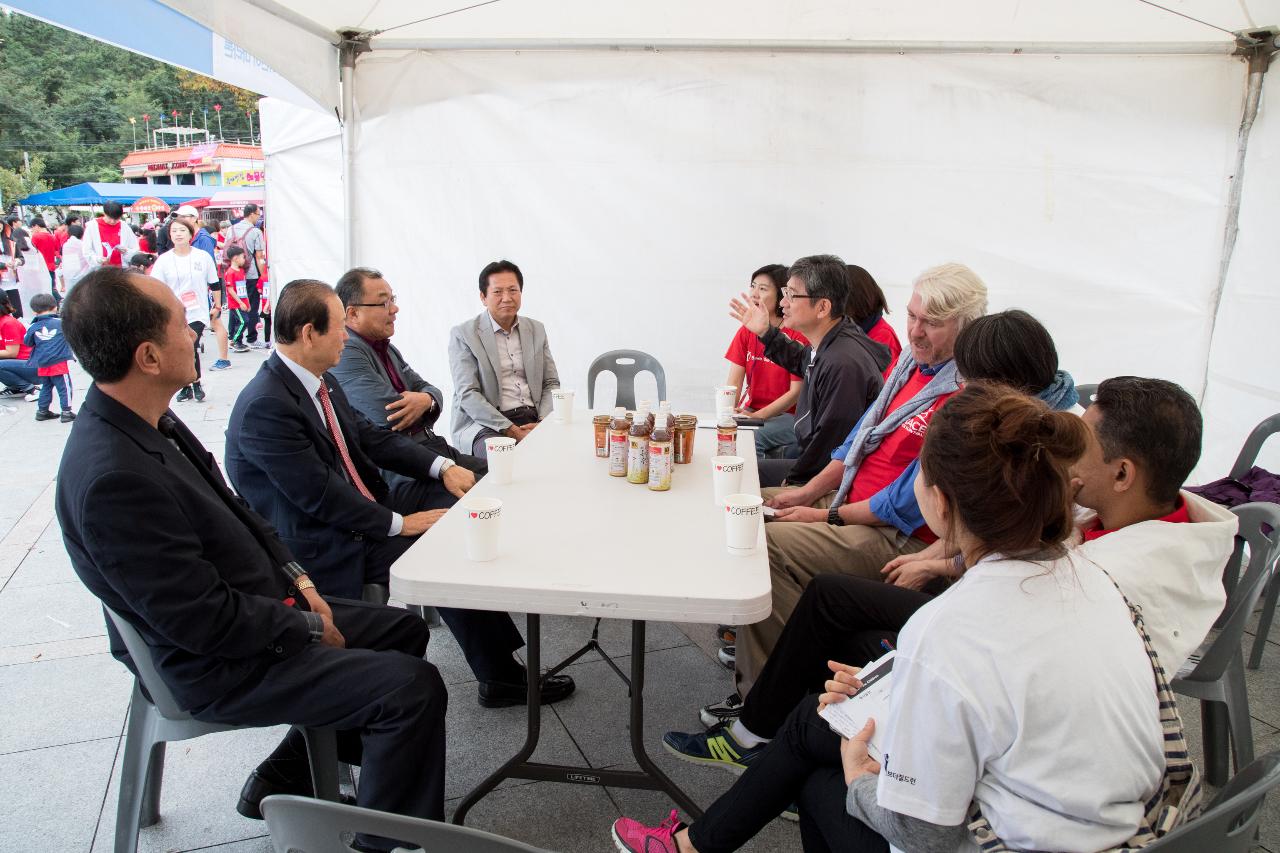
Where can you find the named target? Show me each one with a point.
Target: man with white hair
(860, 527)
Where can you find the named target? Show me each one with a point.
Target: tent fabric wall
(638, 191)
(1244, 365)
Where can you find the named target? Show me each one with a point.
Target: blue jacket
(48, 346)
(203, 241)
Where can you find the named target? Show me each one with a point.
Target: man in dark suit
(301, 456)
(377, 380)
(238, 631)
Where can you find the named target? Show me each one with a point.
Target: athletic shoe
(18, 392)
(261, 345)
(199, 392)
(185, 394)
(728, 656)
(632, 836)
(32, 396)
(45, 415)
(716, 746)
(239, 347)
(727, 634)
(221, 364)
(791, 813)
(725, 711)
(67, 416)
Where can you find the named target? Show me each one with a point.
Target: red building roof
(177, 155)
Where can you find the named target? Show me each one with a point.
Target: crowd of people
(217, 269)
(949, 499)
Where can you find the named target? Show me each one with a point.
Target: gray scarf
(875, 425)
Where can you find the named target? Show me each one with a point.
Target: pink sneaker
(631, 836)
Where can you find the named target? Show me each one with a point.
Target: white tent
(639, 160)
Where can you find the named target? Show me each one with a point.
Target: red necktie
(331, 421)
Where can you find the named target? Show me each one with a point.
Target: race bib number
(188, 299)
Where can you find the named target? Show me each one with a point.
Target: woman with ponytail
(1024, 697)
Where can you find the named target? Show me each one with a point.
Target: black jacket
(840, 381)
(282, 460)
(154, 542)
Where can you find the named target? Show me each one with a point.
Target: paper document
(848, 717)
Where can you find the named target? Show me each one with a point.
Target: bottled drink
(727, 436)
(618, 428)
(638, 449)
(661, 457)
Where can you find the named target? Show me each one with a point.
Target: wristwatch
(833, 517)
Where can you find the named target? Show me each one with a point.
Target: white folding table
(577, 542)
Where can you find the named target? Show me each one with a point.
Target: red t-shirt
(1179, 515)
(111, 237)
(883, 333)
(237, 295)
(12, 332)
(144, 244)
(898, 449)
(47, 245)
(63, 236)
(766, 381)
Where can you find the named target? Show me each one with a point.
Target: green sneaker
(716, 746)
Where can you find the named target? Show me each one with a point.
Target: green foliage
(66, 101)
(20, 184)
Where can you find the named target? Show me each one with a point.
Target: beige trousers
(800, 551)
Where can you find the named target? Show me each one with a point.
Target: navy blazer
(155, 543)
(282, 460)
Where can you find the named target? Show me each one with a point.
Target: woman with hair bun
(1025, 692)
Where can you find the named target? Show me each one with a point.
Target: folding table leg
(637, 727)
(533, 667)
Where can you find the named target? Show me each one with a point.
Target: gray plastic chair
(1214, 674)
(1244, 462)
(156, 721)
(1230, 824)
(1086, 393)
(625, 364)
(304, 825)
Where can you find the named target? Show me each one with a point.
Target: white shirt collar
(498, 328)
(310, 382)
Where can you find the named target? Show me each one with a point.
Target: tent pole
(352, 45)
(1258, 47)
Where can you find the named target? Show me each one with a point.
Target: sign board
(244, 178)
(149, 204)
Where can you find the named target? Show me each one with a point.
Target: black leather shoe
(256, 788)
(503, 694)
(45, 415)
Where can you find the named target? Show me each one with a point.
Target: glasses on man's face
(384, 304)
(788, 293)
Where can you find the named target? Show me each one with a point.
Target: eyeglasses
(788, 293)
(385, 304)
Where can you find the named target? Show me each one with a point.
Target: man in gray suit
(503, 373)
(374, 375)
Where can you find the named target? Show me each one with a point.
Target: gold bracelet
(304, 583)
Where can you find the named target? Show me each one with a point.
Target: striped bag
(1178, 798)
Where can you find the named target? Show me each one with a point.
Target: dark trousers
(198, 328)
(522, 416)
(16, 375)
(255, 302)
(487, 637)
(839, 617)
(773, 471)
(49, 384)
(386, 701)
(802, 766)
(239, 325)
(53, 286)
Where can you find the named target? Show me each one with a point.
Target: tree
(18, 185)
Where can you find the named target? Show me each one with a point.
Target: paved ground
(65, 699)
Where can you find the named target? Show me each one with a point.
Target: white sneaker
(32, 397)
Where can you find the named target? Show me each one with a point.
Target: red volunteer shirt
(47, 245)
(1178, 516)
(766, 381)
(898, 449)
(111, 237)
(12, 332)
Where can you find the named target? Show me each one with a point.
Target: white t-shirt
(1025, 687)
(189, 278)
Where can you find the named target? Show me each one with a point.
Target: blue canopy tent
(126, 194)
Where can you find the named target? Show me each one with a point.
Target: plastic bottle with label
(665, 416)
(662, 457)
(647, 407)
(638, 448)
(618, 428)
(727, 436)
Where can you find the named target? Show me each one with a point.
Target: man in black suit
(238, 631)
(301, 456)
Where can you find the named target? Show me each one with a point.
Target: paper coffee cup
(742, 517)
(726, 476)
(562, 405)
(502, 454)
(726, 399)
(482, 523)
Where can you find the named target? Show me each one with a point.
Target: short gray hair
(951, 290)
(824, 277)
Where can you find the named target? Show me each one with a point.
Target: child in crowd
(50, 354)
(237, 297)
(142, 262)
